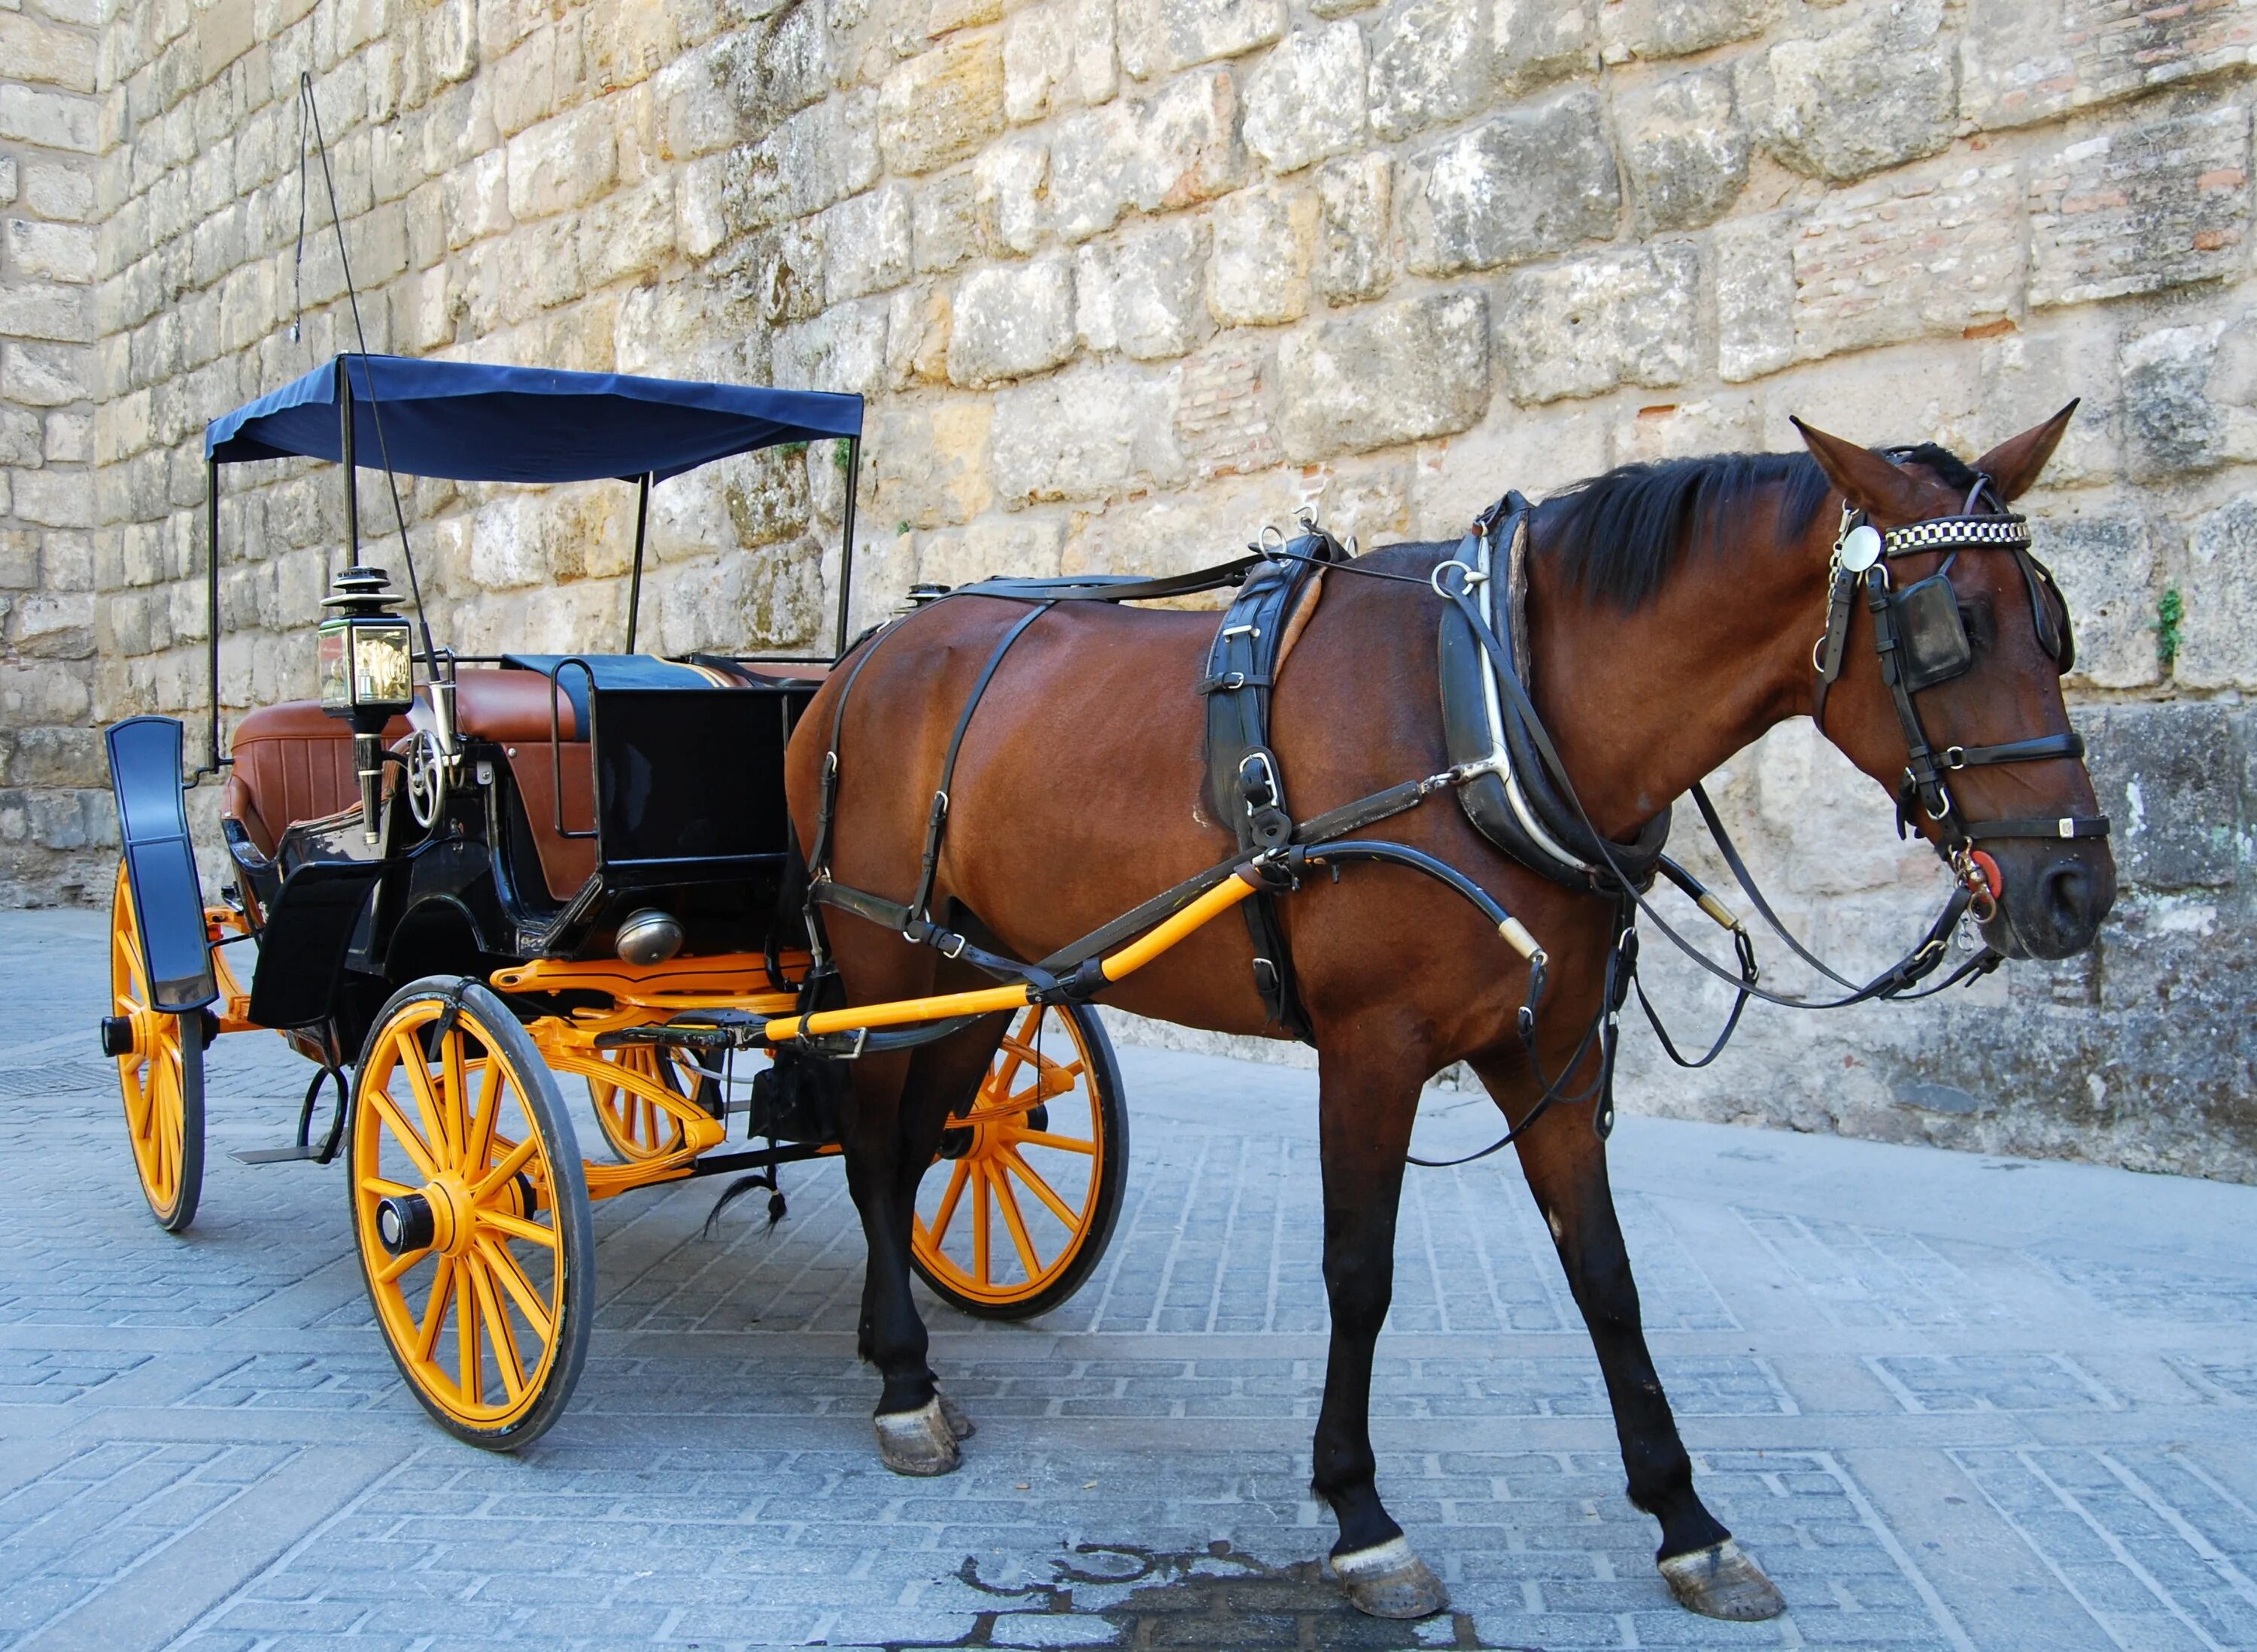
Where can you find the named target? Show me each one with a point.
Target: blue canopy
(522, 423)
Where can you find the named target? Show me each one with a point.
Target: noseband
(1922, 641)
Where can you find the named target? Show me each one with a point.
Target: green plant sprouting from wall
(2170, 613)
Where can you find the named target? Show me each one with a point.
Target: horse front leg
(1367, 1098)
(1565, 1164)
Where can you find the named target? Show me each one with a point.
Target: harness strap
(2039, 748)
(2038, 826)
(936, 820)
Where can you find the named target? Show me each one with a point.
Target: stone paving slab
(1951, 1402)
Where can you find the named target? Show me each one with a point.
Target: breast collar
(1922, 641)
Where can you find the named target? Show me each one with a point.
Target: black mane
(1621, 535)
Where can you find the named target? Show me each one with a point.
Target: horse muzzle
(2053, 897)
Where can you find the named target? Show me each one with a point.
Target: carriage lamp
(367, 670)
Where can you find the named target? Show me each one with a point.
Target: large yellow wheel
(1022, 1201)
(160, 1073)
(637, 1127)
(469, 1209)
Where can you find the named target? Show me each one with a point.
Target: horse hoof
(959, 1422)
(1720, 1581)
(918, 1442)
(1389, 1581)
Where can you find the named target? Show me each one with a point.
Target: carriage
(462, 886)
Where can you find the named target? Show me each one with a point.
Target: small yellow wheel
(162, 1076)
(637, 1127)
(469, 1209)
(1036, 1169)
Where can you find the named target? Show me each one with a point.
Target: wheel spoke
(500, 1336)
(482, 1128)
(504, 1268)
(957, 1177)
(443, 1287)
(1051, 1139)
(383, 1189)
(453, 1094)
(515, 1160)
(400, 1265)
(980, 1268)
(471, 1361)
(518, 1227)
(410, 1139)
(1042, 1189)
(1007, 1202)
(409, 1053)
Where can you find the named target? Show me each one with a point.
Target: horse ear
(1867, 480)
(2013, 465)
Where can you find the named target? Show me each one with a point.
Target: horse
(1671, 612)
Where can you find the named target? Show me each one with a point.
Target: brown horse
(1673, 611)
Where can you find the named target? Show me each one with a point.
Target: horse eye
(1975, 615)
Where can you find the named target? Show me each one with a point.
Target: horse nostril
(2067, 892)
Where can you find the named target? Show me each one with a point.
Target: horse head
(1950, 641)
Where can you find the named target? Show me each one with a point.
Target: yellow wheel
(469, 1209)
(637, 1127)
(1027, 1187)
(160, 1073)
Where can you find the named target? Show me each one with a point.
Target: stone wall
(1126, 278)
(55, 815)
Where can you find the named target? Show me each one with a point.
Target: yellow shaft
(987, 1001)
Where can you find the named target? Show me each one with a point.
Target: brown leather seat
(293, 762)
(506, 705)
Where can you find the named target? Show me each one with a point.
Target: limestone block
(1585, 326)
(929, 462)
(1264, 239)
(53, 626)
(58, 757)
(1875, 93)
(1171, 535)
(1180, 147)
(1159, 37)
(1754, 266)
(49, 693)
(1022, 545)
(842, 350)
(1539, 41)
(944, 221)
(1353, 259)
(1376, 376)
(2141, 208)
(56, 497)
(2217, 647)
(450, 40)
(627, 233)
(51, 251)
(1012, 321)
(1684, 430)
(696, 114)
(2172, 424)
(2030, 375)
(1224, 420)
(1674, 28)
(818, 156)
(1530, 181)
(918, 324)
(1011, 187)
(942, 106)
(1432, 63)
(1057, 56)
(58, 190)
(48, 53)
(1305, 101)
(20, 558)
(1931, 252)
(765, 494)
(478, 198)
(2164, 776)
(562, 163)
(867, 243)
(10, 184)
(2104, 561)
(1140, 292)
(2232, 388)
(1085, 434)
(780, 65)
(47, 375)
(2027, 60)
(1685, 150)
(704, 222)
(944, 16)
(523, 84)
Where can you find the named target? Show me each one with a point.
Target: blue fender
(161, 863)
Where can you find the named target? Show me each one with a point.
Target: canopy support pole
(846, 550)
(634, 585)
(352, 467)
(211, 613)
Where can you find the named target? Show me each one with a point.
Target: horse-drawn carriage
(461, 879)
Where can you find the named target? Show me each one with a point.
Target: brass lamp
(367, 660)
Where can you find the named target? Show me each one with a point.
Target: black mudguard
(160, 862)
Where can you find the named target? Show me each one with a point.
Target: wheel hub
(404, 1223)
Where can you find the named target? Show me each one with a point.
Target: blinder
(1930, 631)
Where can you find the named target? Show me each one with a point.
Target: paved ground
(1951, 1402)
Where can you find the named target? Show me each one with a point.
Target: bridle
(1923, 641)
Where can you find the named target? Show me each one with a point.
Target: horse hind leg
(1366, 1102)
(1565, 1164)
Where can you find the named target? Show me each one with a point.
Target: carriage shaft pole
(990, 1000)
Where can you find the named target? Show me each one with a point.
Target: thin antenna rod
(634, 585)
(348, 450)
(376, 410)
(846, 550)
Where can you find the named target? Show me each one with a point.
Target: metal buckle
(1270, 792)
(1473, 579)
(1955, 756)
